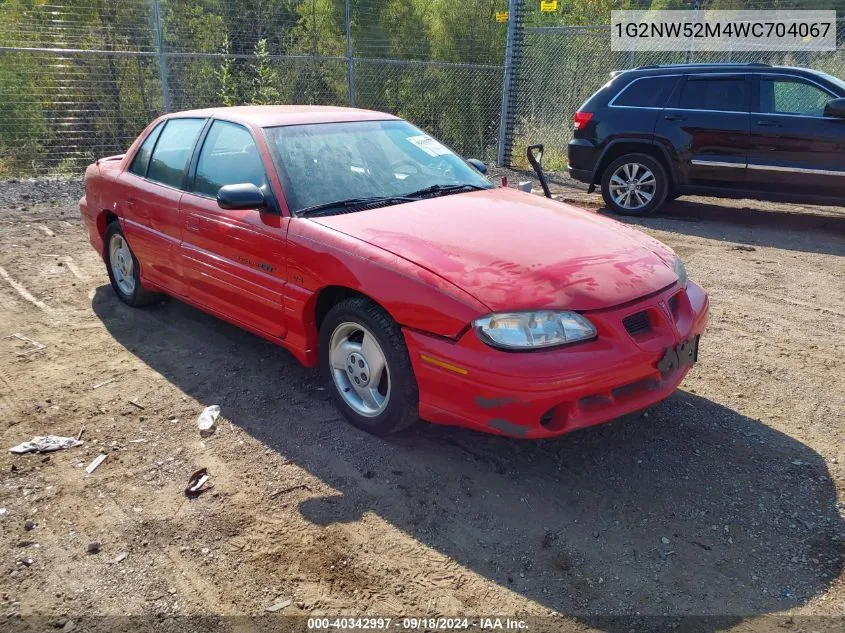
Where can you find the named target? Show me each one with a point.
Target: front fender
(318, 256)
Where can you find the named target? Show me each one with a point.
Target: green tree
(265, 91)
(226, 76)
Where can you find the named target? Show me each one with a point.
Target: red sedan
(357, 241)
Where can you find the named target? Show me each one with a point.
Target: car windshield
(335, 162)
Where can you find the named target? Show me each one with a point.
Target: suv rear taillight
(581, 119)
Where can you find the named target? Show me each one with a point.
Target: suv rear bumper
(584, 175)
(581, 159)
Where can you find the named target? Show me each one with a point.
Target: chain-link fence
(562, 66)
(80, 78)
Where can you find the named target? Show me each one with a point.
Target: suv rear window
(647, 92)
(729, 94)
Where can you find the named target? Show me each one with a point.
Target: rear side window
(726, 95)
(142, 156)
(788, 96)
(649, 92)
(173, 151)
(229, 156)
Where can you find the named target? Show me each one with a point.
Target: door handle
(768, 124)
(675, 117)
(192, 224)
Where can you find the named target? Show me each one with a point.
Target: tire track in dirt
(10, 406)
(23, 292)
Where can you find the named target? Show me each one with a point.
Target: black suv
(749, 130)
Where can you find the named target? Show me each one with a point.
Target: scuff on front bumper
(548, 393)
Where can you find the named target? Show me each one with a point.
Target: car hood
(517, 251)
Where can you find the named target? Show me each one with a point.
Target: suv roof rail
(700, 64)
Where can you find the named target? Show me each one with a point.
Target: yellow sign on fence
(501, 16)
(548, 6)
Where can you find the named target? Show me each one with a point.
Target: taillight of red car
(581, 119)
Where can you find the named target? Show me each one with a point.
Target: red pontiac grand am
(357, 241)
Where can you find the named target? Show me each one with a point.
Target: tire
(388, 406)
(628, 169)
(125, 275)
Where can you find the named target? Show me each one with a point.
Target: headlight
(533, 330)
(680, 271)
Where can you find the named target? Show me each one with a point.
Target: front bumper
(547, 393)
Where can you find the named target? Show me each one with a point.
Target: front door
(794, 147)
(233, 259)
(708, 121)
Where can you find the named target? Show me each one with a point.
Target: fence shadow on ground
(690, 508)
(788, 226)
(800, 229)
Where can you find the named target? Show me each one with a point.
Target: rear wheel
(634, 184)
(364, 358)
(124, 271)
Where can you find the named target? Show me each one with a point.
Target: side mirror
(835, 108)
(241, 196)
(481, 167)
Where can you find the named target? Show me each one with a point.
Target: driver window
(792, 97)
(229, 156)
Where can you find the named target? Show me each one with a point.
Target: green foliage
(60, 109)
(24, 130)
(225, 75)
(265, 91)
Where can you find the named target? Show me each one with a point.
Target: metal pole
(162, 58)
(350, 60)
(696, 7)
(506, 114)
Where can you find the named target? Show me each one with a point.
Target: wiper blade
(351, 202)
(444, 189)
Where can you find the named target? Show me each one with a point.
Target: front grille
(637, 323)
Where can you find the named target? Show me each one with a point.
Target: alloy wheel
(122, 264)
(632, 186)
(359, 369)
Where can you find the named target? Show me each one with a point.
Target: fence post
(162, 58)
(696, 7)
(513, 58)
(350, 60)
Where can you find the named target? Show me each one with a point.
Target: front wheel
(364, 358)
(634, 184)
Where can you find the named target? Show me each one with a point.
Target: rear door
(637, 106)
(151, 203)
(234, 259)
(708, 123)
(794, 147)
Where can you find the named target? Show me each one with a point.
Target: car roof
(670, 69)
(273, 115)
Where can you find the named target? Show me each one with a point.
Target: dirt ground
(726, 500)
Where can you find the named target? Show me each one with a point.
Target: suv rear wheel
(634, 184)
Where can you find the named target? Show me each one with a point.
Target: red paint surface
(434, 265)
